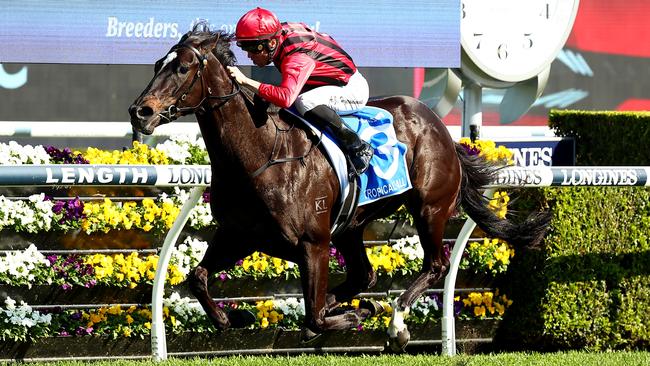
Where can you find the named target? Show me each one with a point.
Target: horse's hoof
(362, 314)
(241, 318)
(371, 305)
(339, 310)
(398, 344)
(308, 337)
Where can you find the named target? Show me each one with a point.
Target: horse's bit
(173, 111)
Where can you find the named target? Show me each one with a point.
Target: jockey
(318, 77)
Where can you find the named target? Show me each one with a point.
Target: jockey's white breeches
(343, 99)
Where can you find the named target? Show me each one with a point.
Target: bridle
(174, 111)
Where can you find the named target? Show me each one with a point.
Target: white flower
(177, 148)
(188, 254)
(15, 154)
(10, 303)
(185, 310)
(20, 267)
(23, 315)
(424, 306)
(201, 214)
(32, 215)
(409, 247)
(291, 307)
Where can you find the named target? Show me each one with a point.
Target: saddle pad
(387, 175)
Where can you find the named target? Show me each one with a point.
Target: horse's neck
(232, 137)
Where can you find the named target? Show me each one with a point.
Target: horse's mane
(221, 39)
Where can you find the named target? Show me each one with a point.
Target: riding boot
(358, 151)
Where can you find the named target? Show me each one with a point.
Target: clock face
(514, 40)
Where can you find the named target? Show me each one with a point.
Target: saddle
(387, 175)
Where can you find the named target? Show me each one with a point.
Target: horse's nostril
(144, 112)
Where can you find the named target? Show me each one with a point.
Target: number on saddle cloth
(387, 175)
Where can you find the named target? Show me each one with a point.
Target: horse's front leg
(314, 277)
(360, 274)
(218, 258)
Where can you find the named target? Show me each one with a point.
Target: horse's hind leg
(217, 258)
(430, 223)
(314, 278)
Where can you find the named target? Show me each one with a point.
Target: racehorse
(286, 209)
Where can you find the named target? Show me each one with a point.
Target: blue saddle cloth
(387, 175)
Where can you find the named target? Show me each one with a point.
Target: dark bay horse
(280, 211)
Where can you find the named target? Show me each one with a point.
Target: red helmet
(257, 24)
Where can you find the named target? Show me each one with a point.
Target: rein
(173, 111)
(272, 161)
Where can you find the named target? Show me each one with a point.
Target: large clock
(507, 41)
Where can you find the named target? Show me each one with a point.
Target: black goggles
(252, 46)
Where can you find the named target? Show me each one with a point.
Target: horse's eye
(183, 69)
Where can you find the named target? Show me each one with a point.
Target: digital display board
(375, 33)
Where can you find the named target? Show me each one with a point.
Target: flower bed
(43, 278)
(116, 271)
(31, 267)
(40, 213)
(22, 322)
(234, 341)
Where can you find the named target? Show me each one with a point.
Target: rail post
(448, 319)
(158, 339)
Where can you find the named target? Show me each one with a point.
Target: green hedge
(605, 138)
(589, 287)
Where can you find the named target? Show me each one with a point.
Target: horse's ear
(211, 46)
(157, 66)
(185, 36)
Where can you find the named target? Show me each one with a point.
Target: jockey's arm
(295, 70)
(242, 80)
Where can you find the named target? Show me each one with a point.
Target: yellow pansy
(115, 310)
(476, 298)
(479, 311)
(95, 318)
(500, 308)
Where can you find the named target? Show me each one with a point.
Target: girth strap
(347, 209)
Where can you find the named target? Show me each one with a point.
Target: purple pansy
(65, 156)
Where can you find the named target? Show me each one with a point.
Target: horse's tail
(476, 174)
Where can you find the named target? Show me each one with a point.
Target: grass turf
(573, 358)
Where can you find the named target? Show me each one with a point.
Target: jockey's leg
(359, 151)
(320, 105)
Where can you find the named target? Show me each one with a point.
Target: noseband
(173, 111)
